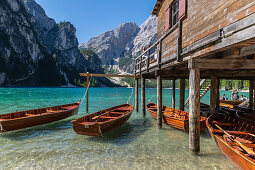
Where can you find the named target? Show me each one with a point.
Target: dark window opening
(175, 12)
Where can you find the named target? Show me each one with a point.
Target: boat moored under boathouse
(199, 40)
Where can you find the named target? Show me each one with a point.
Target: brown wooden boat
(25, 119)
(174, 118)
(235, 138)
(230, 103)
(96, 124)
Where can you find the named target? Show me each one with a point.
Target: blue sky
(93, 17)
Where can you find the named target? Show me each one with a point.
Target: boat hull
(85, 125)
(26, 119)
(178, 122)
(234, 155)
(230, 103)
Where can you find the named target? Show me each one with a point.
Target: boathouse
(209, 39)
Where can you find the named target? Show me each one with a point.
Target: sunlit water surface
(138, 144)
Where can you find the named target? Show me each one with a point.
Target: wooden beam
(143, 96)
(87, 101)
(173, 93)
(136, 95)
(233, 64)
(213, 94)
(194, 109)
(251, 88)
(217, 93)
(108, 75)
(159, 101)
(182, 94)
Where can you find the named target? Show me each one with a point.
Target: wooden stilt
(143, 96)
(253, 95)
(194, 108)
(217, 93)
(251, 100)
(136, 95)
(173, 93)
(87, 101)
(159, 101)
(213, 94)
(182, 94)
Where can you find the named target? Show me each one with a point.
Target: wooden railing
(151, 54)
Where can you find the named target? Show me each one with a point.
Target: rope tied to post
(130, 95)
(86, 92)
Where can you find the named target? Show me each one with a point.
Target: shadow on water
(122, 135)
(33, 132)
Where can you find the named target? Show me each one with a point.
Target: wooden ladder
(204, 88)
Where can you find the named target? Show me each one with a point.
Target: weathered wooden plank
(217, 93)
(136, 95)
(182, 94)
(213, 94)
(108, 75)
(159, 101)
(233, 64)
(194, 110)
(173, 93)
(159, 54)
(143, 96)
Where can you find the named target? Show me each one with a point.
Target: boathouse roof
(157, 7)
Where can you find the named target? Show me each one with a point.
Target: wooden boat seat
(88, 123)
(107, 117)
(250, 145)
(117, 112)
(224, 124)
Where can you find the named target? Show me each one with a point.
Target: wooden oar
(248, 150)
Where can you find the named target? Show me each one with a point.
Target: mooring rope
(86, 92)
(130, 95)
(151, 98)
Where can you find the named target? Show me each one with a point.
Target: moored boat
(230, 103)
(174, 118)
(30, 118)
(235, 138)
(98, 123)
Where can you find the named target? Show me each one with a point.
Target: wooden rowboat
(175, 118)
(235, 138)
(25, 119)
(96, 124)
(230, 103)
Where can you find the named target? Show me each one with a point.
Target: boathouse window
(172, 15)
(175, 12)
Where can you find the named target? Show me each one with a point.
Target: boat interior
(104, 116)
(29, 113)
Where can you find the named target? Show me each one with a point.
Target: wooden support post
(87, 101)
(194, 109)
(182, 94)
(217, 93)
(213, 94)
(173, 93)
(251, 100)
(159, 101)
(136, 95)
(159, 54)
(253, 95)
(143, 95)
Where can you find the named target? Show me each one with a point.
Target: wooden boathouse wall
(203, 18)
(212, 40)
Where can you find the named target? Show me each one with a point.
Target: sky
(93, 17)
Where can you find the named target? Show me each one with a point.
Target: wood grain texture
(194, 110)
(213, 94)
(182, 94)
(136, 95)
(159, 101)
(173, 94)
(143, 96)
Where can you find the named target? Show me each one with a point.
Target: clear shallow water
(138, 144)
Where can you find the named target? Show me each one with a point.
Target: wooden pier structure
(199, 40)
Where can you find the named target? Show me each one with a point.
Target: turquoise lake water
(138, 144)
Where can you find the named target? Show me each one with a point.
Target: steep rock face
(22, 57)
(113, 44)
(35, 51)
(112, 49)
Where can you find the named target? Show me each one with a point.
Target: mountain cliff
(120, 46)
(35, 51)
